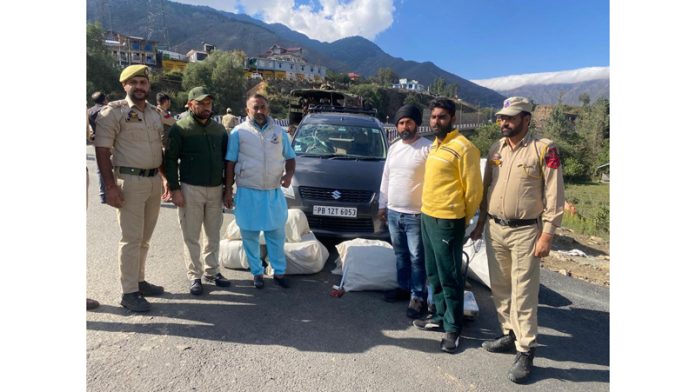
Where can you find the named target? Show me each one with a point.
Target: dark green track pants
(443, 240)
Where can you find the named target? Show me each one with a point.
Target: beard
(511, 132)
(203, 115)
(138, 95)
(442, 131)
(407, 134)
(260, 118)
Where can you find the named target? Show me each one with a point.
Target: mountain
(188, 26)
(546, 87)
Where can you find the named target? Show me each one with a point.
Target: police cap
(132, 71)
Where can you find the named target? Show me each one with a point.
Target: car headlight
(288, 192)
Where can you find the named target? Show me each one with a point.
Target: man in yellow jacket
(452, 191)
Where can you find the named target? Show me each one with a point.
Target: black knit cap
(410, 111)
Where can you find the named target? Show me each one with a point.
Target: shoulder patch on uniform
(546, 141)
(118, 104)
(553, 160)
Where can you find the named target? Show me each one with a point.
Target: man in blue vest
(260, 159)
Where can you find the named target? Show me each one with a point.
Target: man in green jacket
(194, 163)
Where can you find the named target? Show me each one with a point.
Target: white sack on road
(366, 265)
(233, 232)
(307, 256)
(296, 226)
(478, 260)
(232, 255)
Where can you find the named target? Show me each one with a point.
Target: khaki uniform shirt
(524, 183)
(135, 137)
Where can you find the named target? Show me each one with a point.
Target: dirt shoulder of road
(566, 257)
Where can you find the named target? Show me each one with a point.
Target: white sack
(232, 255)
(233, 232)
(305, 257)
(296, 226)
(478, 260)
(366, 265)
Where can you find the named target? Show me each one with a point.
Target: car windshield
(336, 141)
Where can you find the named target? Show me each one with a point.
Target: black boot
(522, 367)
(502, 344)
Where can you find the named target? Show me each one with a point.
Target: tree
(485, 136)
(572, 150)
(386, 77)
(102, 72)
(223, 73)
(374, 95)
(412, 99)
(336, 77)
(593, 128)
(438, 87)
(584, 99)
(450, 90)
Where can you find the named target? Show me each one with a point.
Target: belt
(137, 172)
(512, 222)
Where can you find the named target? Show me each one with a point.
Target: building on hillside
(412, 85)
(195, 56)
(129, 50)
(285, 64)
(171, 61)
(353, 76)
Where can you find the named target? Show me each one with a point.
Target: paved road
(302, 339)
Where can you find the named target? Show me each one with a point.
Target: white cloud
(505, 83)
(323, 20)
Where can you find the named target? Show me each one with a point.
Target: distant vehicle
(340, 157)
(305, 100)
(256, 75)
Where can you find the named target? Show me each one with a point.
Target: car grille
(347, 195)
(341, 224)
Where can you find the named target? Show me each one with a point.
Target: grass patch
(592, 203)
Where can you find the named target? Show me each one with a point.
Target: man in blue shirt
(260, 159)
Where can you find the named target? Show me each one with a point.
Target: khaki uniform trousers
(202, 206)
(514, 273)
(137, 219)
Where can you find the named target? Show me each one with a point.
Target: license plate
(344, 212)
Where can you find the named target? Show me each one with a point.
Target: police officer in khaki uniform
(523, 206)
(131, 130)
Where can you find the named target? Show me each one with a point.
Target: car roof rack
(341, 109)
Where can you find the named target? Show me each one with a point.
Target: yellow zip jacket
(452, 188)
